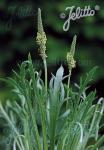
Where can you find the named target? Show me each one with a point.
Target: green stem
(68, 88)
(45, 69)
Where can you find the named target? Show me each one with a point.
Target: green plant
(38, 118)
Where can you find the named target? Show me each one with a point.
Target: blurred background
(18, 28)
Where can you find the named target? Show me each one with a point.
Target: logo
(76, 13)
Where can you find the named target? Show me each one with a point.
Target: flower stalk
(41, 41)
(71, 63)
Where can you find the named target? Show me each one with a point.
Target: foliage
(40, 120)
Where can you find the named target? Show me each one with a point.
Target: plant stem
(68, 87)
(45, 69)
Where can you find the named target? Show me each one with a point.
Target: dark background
(18, 28)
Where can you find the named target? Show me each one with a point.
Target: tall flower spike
(41, 36)
(71, 63)
(70, 55)
(41, 41)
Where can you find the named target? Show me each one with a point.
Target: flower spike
(71, 63)
(41, 41)
(70, 55)
(41, 36)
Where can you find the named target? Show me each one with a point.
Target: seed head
(41, 36)
(70, 60)
(70, 55)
